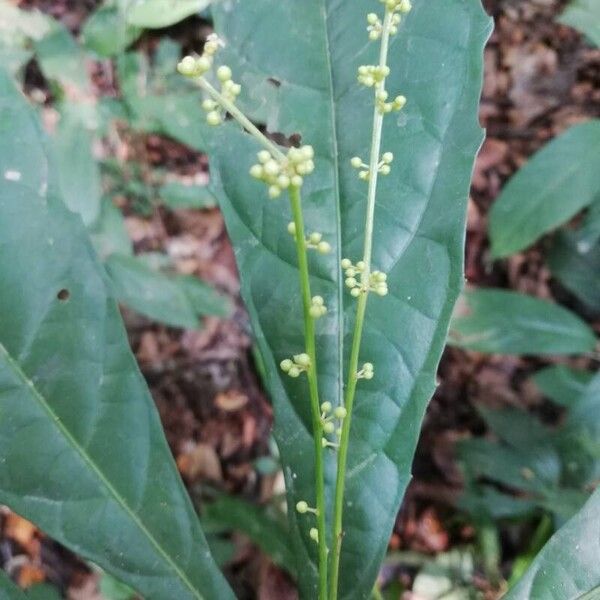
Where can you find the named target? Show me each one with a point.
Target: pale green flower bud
(257, 171)
(356, 162)
(324, 247)
(302, 507)
(328, 427)
(297, 181)
(223, 73)
(274, 191)
(286, 365)
(213, 118)
(340, 412)
(294, 372)
(264, 156)
(187, 66)
(302, 359)
(387, 158)
(346, 263)
(291, 228)
(314, 534)
(326, 407)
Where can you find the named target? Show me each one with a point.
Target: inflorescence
(299, 364)
(198, 66)
(280, 174)
(314, 240)
(354, 279)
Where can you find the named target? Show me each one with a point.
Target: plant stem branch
(309, 338)
(309, 327)
(241, 118)
(358, 325)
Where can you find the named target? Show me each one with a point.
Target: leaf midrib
(55, 419)
(336, 190)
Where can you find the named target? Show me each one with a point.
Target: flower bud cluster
(299, 364)
(354, 279)
(279, 174)
(369, 75)
(197, 66)
(317, 307)
(398, 6)
(367, 372)
(385, 107)
(229, 90)
(383, 166)
(329, 416)
(314, 241)
(374, 27)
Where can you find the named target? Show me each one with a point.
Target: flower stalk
(375, 77)
(281, 172)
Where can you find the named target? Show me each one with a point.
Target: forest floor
(540, 78)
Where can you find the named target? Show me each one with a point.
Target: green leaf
(169, 111)
(568, 565)
(299, 73)
(8, 590)
(553, 186)
(263, 525)
(498, 321)
(61, 58)
(78, 171)
(83, 452)
(562, 384)
(109, 234)
(107, 33)
(576, 268)
(177, 300)
(44, 591)
(589, 232)
(180, 195)
(154, 14)
(584, 15)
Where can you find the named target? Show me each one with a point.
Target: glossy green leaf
(562, 384)
(577, 268)
(177, 300)
(584, 15)
(77, 168)
(180, 195)
(8, 590)
(265, 526)
(297, 62)
(554, 185)
(107, 33)
(83, 452)
(153, 14)
(498, 321)
(568, 565)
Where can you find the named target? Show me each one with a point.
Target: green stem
(309, 339)
(359, 323)
(309, 327)
(241, 118)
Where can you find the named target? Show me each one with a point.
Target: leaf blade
(556, 183)
(499, 321)
(84, 456)
(421, 208)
